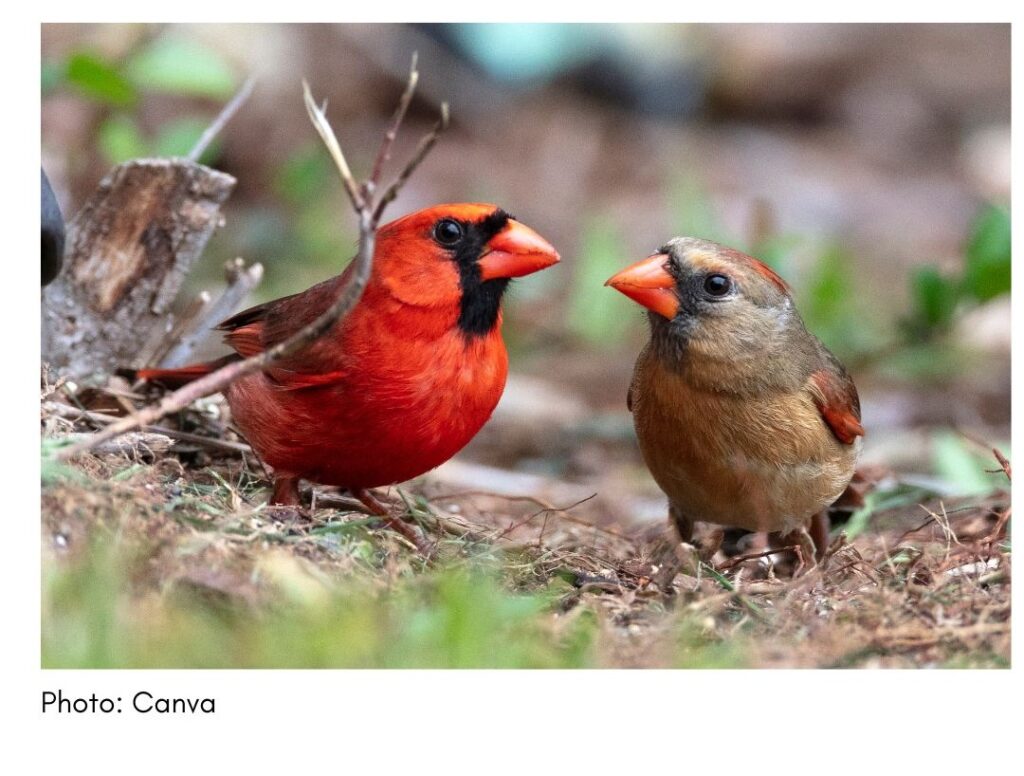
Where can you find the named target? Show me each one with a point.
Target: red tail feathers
(175, 378)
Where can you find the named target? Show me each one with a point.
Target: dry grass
(171, 558)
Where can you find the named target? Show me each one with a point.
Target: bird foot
(285, 504)
(375, 507)
(288, 512)
(802, 545)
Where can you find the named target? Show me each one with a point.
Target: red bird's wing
(261, 327)
(836, 398)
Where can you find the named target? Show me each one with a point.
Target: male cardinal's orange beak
(515, 251)
(649, 283)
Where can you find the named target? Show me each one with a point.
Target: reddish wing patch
(253, 331)
(246, 340)
(836, 398)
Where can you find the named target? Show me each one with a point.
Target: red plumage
(407, 378)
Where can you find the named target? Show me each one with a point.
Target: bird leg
(803, 545)
(683, 523)
(819, 529)
(285, 502)
(286, 492)
(375, 507)
(810, 543)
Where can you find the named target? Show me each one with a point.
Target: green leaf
(935, 297)
(987, 274)
(53, 471)
(179, 65)
(119, 139)
(962, 467)
(834, 309)
(829, 290)
(900, 495)
(98, 80)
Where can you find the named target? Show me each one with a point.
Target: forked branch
(368, 212)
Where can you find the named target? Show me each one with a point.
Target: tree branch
(226, 114)
(368, 213)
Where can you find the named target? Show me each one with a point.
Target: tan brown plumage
(743, 417)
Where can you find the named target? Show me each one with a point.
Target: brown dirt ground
(925, 585)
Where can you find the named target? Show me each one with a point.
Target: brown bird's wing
(261, 327)
(836, 398)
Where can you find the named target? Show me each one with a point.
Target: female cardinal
(743, 417)
(406, 379)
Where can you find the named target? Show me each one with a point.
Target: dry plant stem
(384, 153)
(421, 153)
(135, 444)
(102, 419)
(546, 508)
(241, 280)
(186, 323)
(368, 215)
(1003, 463)
(226, 114)
(754, 555)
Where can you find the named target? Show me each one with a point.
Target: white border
(468, 721)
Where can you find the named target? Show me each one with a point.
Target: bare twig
(368, 214)
(384, 153)
(1003, 463)
(754, 555)
(546, 508)
(426, 143)
(226, 114)
(186, 323)
(323, 127)
(545, 511)
(998, 532)
(240, 281)
(135, 444)
(102, 419)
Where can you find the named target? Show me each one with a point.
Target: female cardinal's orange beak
(649, 283)
(515, 251)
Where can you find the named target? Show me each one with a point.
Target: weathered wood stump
(129, 250)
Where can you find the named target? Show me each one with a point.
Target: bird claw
(288, 512)
(375, 507)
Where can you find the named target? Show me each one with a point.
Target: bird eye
(717, 285)
(448, 232)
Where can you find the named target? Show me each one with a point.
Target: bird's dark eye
(717, 285)
(448, 232)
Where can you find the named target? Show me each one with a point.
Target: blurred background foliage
(868, 164)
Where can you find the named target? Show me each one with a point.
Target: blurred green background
(869, 164)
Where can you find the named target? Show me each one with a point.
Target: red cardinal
(743, 417)
(407, 378)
